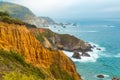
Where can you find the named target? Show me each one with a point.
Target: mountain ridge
(25, 14)
(16, 10)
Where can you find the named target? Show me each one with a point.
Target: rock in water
(76, 55)
(85, 54)
(94, 46)
(100, 76)
(98, 49)
(115, 78)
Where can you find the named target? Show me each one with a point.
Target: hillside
(51, 64)
(16, 11)
(23, 13)
(5, 17)
(40, 21)
(53, 40)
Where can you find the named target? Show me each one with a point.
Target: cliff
(54, 64)
(53, 40)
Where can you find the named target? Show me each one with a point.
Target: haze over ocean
(73, 9)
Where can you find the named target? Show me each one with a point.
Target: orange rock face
(18, 38)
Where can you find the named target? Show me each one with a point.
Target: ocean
(105, 34)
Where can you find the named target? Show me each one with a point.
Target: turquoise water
(106, 34)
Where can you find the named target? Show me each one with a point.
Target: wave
(97, 46)
(118, 55)
(103, 53)
(108, 26)
(110, 55)
(94, 55)
(80, 31)
(89, 31)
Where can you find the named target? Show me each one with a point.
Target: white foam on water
(108, 26)
(117, 56)
(89, 31)
(97, 46)
(110, 55)
(106, 55)
(94, 55)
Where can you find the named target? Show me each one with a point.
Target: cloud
(45, 5)
(70, 8)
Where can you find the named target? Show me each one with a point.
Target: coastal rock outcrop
(115, 78)
(60, 41)
(76, 55)
(100, 76)
(54, 62)
(85, 54)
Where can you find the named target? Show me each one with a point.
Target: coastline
(94, 54)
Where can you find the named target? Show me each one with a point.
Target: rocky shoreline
(65, 42)
(84, 53)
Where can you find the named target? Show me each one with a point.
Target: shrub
(13, 56)
(4, 17)
(40, 38)
(30, 25)
(10, 20)
(14, 62)
(59, 73)
(17, 76)
(4, 14)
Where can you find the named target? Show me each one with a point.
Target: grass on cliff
(5, 17)
(13, 65)
(46, 34)
(40, 37)
(59, 73)
(17, 76)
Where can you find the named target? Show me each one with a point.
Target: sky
(73, 8)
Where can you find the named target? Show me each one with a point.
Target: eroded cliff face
(20, 39)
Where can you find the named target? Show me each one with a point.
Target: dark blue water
(106, 34)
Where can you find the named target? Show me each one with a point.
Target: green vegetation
(10, 20)
(59, 73)
(14, 67)
(30, 25)
(12, 62)
(16, 11)
(17, 76)
(40, 37)
(46, 34)
(5, 17)
(65, 38)
(4, 14)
